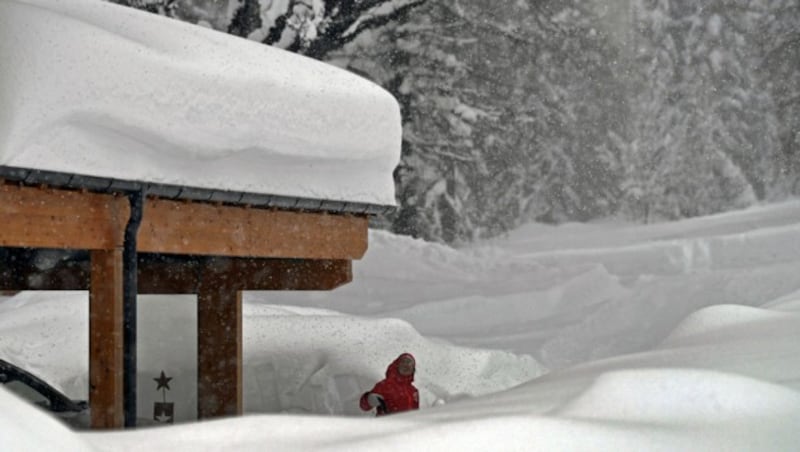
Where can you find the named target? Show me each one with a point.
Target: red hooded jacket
(397, 391)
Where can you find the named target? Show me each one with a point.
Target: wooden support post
(105, 340)
(219, 344)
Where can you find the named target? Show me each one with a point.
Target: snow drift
(694, 360)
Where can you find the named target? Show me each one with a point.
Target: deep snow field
(674, 336)
(678, 337)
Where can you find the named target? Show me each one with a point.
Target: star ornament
(163, 381)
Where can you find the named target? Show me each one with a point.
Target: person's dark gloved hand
(375, 400)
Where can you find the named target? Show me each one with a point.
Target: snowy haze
(675, 336)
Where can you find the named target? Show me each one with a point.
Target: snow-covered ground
(675, 336)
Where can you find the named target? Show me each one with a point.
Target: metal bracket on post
(130, 290)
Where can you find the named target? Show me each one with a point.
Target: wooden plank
(305, 274)
(105, 340)
(245, 274)
(50, 218)
(221, 230)
(219, 346)
(168, 274)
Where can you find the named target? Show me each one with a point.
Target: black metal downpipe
(129, 291)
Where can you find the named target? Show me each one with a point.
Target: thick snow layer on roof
(93, 88)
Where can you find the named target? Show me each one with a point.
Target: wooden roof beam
(40, 217)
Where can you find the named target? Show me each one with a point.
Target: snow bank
(311, 363)
(684, 255)
(653, 410)
(51, 330)
(537, 237)
(715, 411)
(725, 320)
(296, 360)
(789, 302)
(25, 428)
(695, 360)
(94, 88)
(682, 397)
(514, 313)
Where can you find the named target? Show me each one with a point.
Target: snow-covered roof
(92, 88)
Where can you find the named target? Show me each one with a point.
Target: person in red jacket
(395, 393)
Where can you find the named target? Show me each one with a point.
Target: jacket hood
(393, 373)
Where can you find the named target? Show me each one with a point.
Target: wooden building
(146, 154)
(119, 238)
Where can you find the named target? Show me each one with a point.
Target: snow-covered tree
(512, 113)
(704, 130)
(778, 39)
(576, 107)
(163, 7)
(312, 27)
